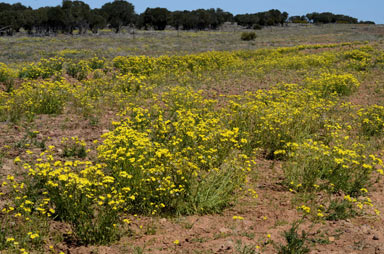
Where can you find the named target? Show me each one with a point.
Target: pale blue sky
(361, 9)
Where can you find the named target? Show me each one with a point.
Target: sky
(362, 9)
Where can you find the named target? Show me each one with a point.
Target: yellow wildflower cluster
(270, 119)
(340, 166)
(168, 155)
(328, 84)
(371, 119)
(176, 150)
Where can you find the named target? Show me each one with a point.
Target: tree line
(77, 15)
(326, 18)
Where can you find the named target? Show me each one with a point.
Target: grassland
(193, 142)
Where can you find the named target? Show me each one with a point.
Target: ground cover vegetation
(102, 152)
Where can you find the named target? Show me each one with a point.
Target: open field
(154, 43)
(193, 142)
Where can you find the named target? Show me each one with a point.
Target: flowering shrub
(7, 77)
(271, 119)
(78, 70)
(37, 98)
(372, 120)
(184, 162)
(46, 68)
(338, 167)
(78, 193)
(178, 150)
(329, 84)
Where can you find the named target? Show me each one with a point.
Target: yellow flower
(33, 236)
(176, 242)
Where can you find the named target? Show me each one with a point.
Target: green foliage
(96, 63)
(80, 195)
(180, 159)
(46, 68)
(244, 248)
(337, 167)
(7, 77)
(118, 13)
(78, 70)
(296, 243)
(74, 147)
(328, 84)
(359, 59)
(340, 210)
(248, 36)
(156, 18)
(31, 138)
(269, 119)
(371, 120)
(37, 98)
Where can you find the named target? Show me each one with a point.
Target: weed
(371, 120)
(74, 147)
(244, 248)
(248, 36)
(249, 235)
(138, 250)
(7, 77)
(31, 138)
(295, 243)
(340, 210)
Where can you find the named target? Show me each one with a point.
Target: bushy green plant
(184, 164)
(340, 210)
(46, 68)
(178, 159)
(359, 59)
(338, 167)
(78, 70)
(37, 98)
(7, 77)
(248, 36)
(74, 147)
(296, 244)
(327, 84)
(271, 119)
(371, 120)
(96, 63)
(77, 193)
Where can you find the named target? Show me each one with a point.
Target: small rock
(365, 229)
(6, 167)
(163, 220)
(375, 238)
(331, 239)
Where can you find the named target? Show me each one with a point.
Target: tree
(118, 13)
(156, 17)
(77, 15)
(176, 19)
(11, 17)
(57, 19)
(96, 21)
